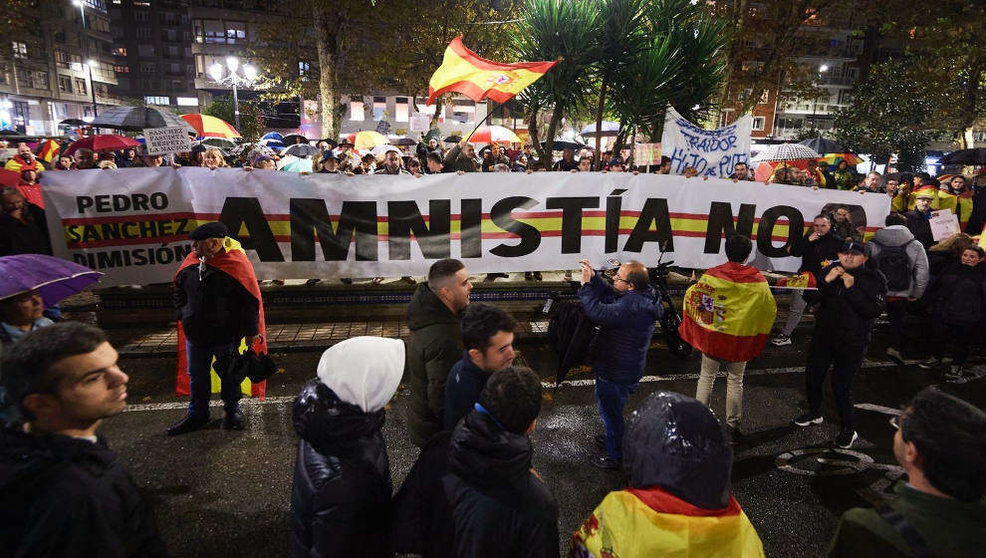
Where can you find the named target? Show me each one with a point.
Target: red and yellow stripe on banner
(99, 232)
(462, 70)
(653, 522)
(728, 313)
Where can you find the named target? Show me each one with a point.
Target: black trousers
(844, 361)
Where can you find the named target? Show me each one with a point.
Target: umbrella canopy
(494, 134)
(833, 159)
(976, 156)
(73, 122)
(54, 278)
(367, 140)
(402, 140)
(206, 126)
(48, 150)
(252, 150)
(273, 136)
(381, 150)
(134, 119)
(823, 145)
(300, 150)
(452, 139)
(787, 152)
(292, 139)
(221, 143)
(273, 143)
(560, 144)
(609, 129)
(295, 164)
(102, 142)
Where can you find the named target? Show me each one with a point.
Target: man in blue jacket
(626, 313)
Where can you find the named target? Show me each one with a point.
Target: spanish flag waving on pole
(729, 312)
(652, 522)
(478, 78)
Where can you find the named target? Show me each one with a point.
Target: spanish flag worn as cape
(961, 205)
(233, 262)
(463, 71)
(652, 522)
(729, 312)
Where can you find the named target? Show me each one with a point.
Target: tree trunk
(328, 29)
(599, 121)
(970, 101)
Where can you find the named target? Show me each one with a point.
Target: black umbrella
(73, 122)
(558, 145)
(822, 145)
(292, 139)
(453, 139)
(976, 156)
(134, 119)
(404, 141)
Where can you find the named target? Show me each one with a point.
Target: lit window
(401, 109)
(759, 122)
(20, 50)
(356, 110)
(187, 101)
(156, 100)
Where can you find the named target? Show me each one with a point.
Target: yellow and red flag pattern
(463, 71)
(652, 522)
(48, 150)
(729, 312)
(804, 280)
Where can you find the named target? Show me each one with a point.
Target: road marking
(879, 409)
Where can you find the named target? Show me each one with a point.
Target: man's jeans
(795, 311)
(611, 398)
(734, 386)
(199, 372)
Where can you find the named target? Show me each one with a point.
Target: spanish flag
(233, 262)
(729, 312)
(478, 78)
(961, 205)
(652, 522)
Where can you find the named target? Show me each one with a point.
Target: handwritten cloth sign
(713, 153)
(161, 141)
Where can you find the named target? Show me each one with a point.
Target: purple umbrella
(54, 278)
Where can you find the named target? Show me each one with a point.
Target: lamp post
(236, 80)
(814, 104)
(85, 47)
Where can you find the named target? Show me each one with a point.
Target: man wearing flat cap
(218, 304)
(849, 297)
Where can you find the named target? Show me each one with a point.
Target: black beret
(209, 230)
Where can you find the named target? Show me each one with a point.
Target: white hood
(363, 371)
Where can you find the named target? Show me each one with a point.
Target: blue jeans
(611, 398)
(199, 371)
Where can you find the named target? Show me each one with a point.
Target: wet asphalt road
(219, 493)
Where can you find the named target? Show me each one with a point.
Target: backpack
(895, 265)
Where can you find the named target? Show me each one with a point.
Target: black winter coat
(499, 508)
(814, 254)
(628, 320)
(920, 227)
(434, 346)
(845, 316)
(340, 497)
(215, 308)
(69, 497)
(25, 238)
(958, 295)
(422, 518)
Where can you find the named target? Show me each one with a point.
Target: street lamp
(236, 80)
(85, 44)
(821, 70)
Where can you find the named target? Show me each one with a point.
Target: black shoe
(187, 424)
(606, 462)
(233, 421)
(600, 440)
(808, 419)
(528, 276)
(538, 276)
(846, 438)
(312, 282)
(734, 436)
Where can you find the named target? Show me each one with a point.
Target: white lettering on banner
(172, 139)
(133, 224)
(712, 153)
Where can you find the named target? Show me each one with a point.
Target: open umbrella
(292, 163)
(608, 129)
(975, 156)
(559, 144)
(102, 142)
(786, 152)
(833, 159)
(273, 143)
(73, 122)
(221, 143)
(831, 152)
(133, 119)
(402, 140)
(53, 277)
(381, 150)
(452, 139)
(367, 139)
(206, 126)
(273, 135)
(300, 150)
(823, 145)
(493, 134)
(292, 139)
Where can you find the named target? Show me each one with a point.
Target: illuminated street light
(216, 72)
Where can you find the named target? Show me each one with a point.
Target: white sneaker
(895, 355)
(780, 340)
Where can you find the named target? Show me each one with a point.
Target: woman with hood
(677, 463)
(340, 498)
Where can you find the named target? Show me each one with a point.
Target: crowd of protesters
(473, 490)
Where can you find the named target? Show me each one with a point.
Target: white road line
(878, 408)
(282, 399)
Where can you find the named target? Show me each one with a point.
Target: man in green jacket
(940, 510)
(435, 344)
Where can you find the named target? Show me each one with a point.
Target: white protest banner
(944, 224)
(133, 224)
(420, 123)
(172, 139)
(712, 153)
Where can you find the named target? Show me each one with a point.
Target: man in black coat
(216, 310)
(435, 344)
(851, 295)
(919, 219)
(23, 229)
(485, 500)
(65, 493)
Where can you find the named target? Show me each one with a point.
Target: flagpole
(489, 113)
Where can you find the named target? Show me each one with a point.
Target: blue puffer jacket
(627, 320)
